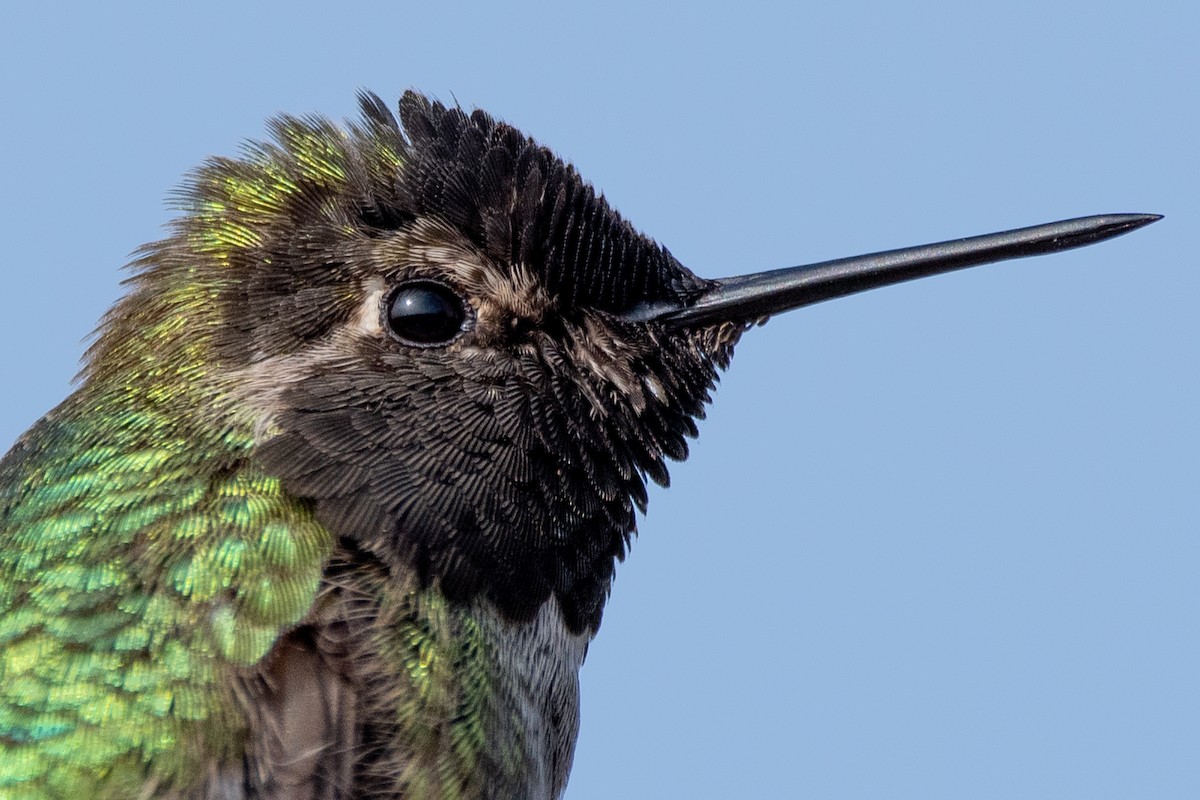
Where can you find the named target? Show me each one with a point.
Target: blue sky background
(935, 541)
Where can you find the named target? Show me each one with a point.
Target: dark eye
(425, 313)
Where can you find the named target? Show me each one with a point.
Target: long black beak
(751, 297)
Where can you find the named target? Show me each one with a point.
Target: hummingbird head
(444, 340)
(432, 326)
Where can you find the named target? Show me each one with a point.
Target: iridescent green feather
(440, 657)
(134, 583)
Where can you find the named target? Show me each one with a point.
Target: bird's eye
(425, 314)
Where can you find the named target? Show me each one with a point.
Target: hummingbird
(335, 508)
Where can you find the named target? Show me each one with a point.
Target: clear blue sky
(935, 541)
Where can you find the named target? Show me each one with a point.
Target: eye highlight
(425, 314)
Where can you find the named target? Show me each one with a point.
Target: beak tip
(1131, 222)
(1142, 219)
(1110, 226)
